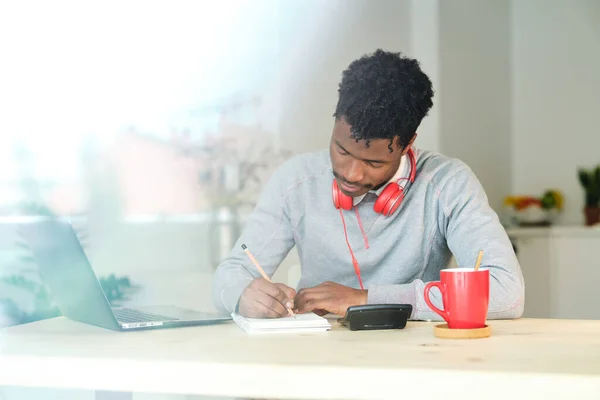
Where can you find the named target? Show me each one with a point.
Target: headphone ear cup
(340, 200)
(389, 200)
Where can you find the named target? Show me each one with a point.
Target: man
(373, 218)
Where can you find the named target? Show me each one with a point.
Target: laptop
(66, 270)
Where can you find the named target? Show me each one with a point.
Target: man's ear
(408, 146)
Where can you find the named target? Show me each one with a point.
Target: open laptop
(67, 272)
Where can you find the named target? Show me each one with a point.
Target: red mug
(465, 297)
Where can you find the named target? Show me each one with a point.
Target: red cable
(354, 261)
(365, 238)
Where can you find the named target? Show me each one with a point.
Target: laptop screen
(66, 270)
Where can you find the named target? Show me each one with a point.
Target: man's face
(358, 168)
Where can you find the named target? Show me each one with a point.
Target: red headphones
(388, 201)
(390, 198)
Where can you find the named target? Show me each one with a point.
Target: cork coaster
(442, 331)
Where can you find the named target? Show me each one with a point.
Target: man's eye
(375, 165)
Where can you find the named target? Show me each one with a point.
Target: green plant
(590, 181)
(42, 303)
(116, 288)
(42, 306)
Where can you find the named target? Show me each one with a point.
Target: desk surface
(536, 358)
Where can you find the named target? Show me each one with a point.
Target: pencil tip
(243, 247)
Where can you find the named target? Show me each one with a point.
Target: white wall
(474, 90)
(425, 47)
(555, 97)
(324, 37)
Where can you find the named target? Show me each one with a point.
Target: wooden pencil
(262, 272)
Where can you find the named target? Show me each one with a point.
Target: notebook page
(309, 322)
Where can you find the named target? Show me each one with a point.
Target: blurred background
(154, 125)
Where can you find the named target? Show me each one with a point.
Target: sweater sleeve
(268, 235)
(469, 224)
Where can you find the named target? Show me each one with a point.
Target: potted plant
(590, 181)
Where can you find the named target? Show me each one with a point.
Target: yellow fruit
(558, 198)
(512, 200)
(553, 198)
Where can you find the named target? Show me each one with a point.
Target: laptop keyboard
(128, 315)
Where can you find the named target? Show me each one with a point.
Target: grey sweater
(445, 212)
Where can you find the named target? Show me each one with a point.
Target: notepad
(301, 323)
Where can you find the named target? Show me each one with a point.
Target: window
(104, 105)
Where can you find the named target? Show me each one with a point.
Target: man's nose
(355, 172)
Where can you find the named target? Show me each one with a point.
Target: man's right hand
(263, 299)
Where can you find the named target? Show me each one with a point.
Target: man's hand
(263, 299)
(328, 297)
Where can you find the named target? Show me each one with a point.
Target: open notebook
(301, 323)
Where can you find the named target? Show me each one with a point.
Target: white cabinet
(577, 278)
(534, 257)
(561, 267)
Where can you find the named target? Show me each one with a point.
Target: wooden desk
(524, 359)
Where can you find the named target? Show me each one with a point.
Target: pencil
(262, 272)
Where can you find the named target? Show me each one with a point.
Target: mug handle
(442, 287)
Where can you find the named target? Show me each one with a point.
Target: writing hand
(328, 297)
(263, 299)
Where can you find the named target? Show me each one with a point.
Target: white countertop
(549, 359)
(555, 231)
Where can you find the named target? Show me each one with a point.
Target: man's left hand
(328, 297)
